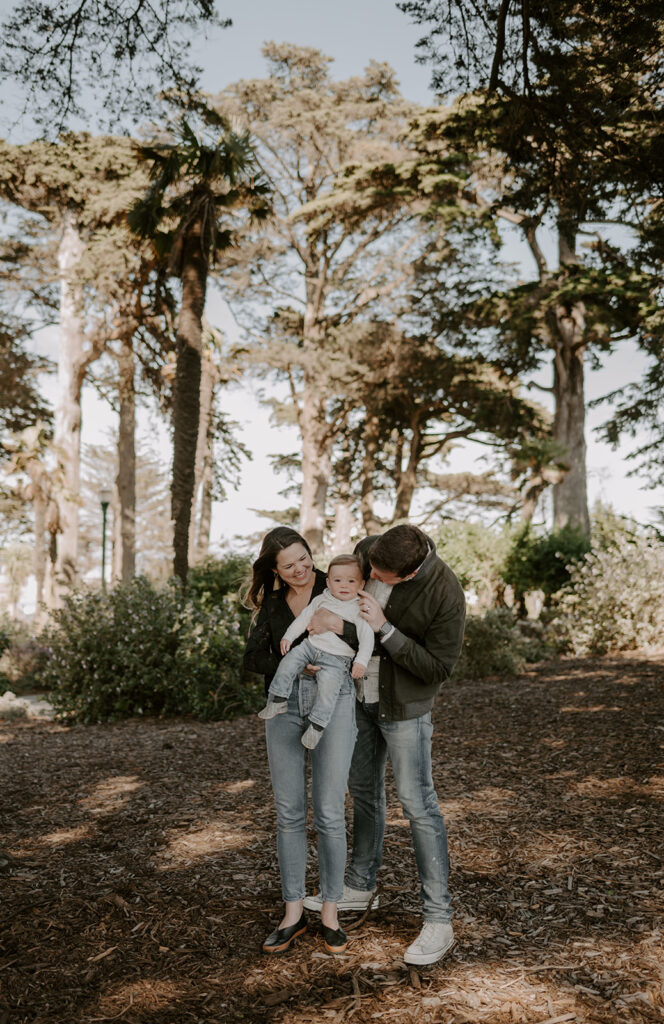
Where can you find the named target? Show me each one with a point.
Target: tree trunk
(315, 471)
(126, 478)
(408, 476)
(114, 526)
(343, 514)
(199, 540)
(342, 542)
(570, 496)
(205, 510)
(67, 440)
(186, 399)
(316, 462)
(40, 503)
(371, 440)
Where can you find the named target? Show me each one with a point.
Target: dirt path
(144, 875)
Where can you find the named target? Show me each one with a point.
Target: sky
(353, 32)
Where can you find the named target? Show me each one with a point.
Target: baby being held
(327, 650)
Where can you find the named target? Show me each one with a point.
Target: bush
(22, 659)
(475, 553)
(137, 650)
(542, 562)
(492, 646)
(216, 578)
(614, 600)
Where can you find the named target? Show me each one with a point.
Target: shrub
(492, 646)
(216, 578)
(476, 553)
(137, 650)
(542, 562)
(614, 600)
(22, 659)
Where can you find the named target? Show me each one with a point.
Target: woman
(283, 583)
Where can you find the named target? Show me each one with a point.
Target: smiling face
(344, 582)
(295, 566)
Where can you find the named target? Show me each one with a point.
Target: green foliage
(614, 600)
(476, 553)
(22, 658)
(214, 578)
(542, 562)
(491, 646)
(137, 650)
(217, 578)
(21, 404)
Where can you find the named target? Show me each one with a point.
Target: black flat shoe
(282, 938)
(335, 939)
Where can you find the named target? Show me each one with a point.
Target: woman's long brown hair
(263, 571)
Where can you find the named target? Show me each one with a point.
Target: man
(416, 607)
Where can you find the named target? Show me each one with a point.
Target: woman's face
(294, 565)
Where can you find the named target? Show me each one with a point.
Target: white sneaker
(352, 899)
(431, 944)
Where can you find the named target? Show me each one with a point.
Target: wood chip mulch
(138, 872)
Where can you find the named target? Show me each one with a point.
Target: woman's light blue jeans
(330, 764)
(408, 744)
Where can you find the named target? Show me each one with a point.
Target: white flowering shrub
(138, 650)
(614, 600)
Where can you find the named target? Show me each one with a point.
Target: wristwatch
(386, 628)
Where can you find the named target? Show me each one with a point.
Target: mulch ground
(142, 874)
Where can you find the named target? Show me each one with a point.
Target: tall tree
(197, 185)
(407, 403)
(154, 534)
(560, 96)
(131, 314)
(29, 461)
(78, 185)
(315, 275)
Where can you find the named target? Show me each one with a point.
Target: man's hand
(284, 646)
(325, 621)
(358, 671)
(371, 611)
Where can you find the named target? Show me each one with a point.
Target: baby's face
(345, 582)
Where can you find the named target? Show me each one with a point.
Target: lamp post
(104, 500)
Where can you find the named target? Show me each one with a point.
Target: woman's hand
(371, 611)
(285, 646)
(358, 671)
(325, 621)
(311, 670)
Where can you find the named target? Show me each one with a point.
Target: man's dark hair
(401, 550)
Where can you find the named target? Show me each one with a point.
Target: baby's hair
(346, 560)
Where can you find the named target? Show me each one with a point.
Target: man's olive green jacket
(429, 614)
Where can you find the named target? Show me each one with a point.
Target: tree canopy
(116, 51)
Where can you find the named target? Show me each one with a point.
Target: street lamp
(105, 500)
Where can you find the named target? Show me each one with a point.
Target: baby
(329, 651)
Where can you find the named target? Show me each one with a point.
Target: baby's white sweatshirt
(330, 642)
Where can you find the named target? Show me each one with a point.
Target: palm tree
(196, 186)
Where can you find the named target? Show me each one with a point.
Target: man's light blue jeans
(334, 670)
(330, 763)
(408, 744)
